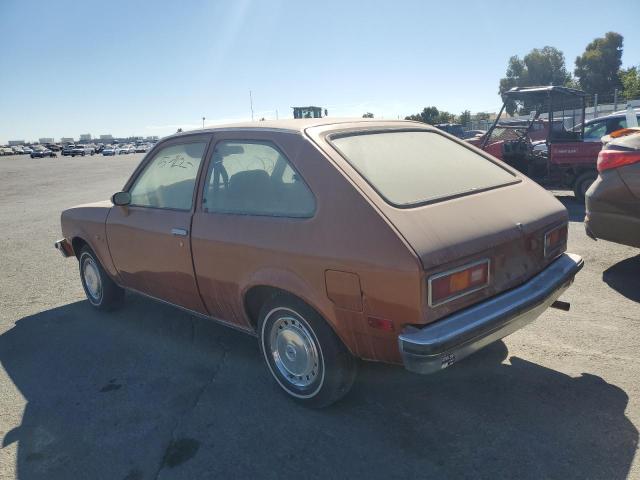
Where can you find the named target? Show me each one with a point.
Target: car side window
(595, 130)
(255, 178)
(169, 178)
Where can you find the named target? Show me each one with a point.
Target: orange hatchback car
(331, 241)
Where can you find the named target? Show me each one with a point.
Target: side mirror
(121, 199)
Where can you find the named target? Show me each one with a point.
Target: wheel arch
(258, 293)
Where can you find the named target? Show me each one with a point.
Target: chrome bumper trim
(64, 247)
(440, 345)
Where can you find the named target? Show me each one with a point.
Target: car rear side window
(169, 178)
(415, 167)
(255, 178)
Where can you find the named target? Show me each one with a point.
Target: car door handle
(179, 232)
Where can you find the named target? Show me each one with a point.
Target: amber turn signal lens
(467, 279)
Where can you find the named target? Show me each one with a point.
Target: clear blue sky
(145, 68)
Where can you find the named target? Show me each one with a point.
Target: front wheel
(303, 354)
(582, 184)
(101, 291)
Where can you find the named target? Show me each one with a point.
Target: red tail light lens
(555, 240)
(447, 286)
(608, 159)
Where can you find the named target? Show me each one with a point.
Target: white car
(142, 149)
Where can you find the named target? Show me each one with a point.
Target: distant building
(66, 140)
(13, 143)
(153, 138)
(107, 137)
(85, 137)
(45, 140)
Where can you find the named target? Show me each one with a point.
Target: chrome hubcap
(294, 352)
(92, 279)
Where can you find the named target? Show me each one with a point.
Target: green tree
(598, 68)
(465, 117)
(541, 66)
(630, 79)
(367, 115)
(432, 116)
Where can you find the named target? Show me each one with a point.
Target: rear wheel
(101, 291)
(303, 354)
(582, 184)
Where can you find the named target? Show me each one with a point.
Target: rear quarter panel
(233, 253)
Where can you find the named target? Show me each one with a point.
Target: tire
(582, 184)
(303, 354)
(101, 291)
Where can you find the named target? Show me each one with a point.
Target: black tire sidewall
(580, 181)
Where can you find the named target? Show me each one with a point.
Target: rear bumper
(437, 346)
(64, 247)
(614, 227)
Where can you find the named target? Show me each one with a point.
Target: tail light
(447, 286)
(608, 159)
(555, 240)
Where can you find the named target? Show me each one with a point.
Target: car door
(149, 239)
(252, 204)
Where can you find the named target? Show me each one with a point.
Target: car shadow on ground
(575, 207)
(624, 277)
(149, 391)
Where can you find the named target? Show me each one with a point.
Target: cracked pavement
(152, 392)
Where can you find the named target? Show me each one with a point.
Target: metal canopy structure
(540, 93)
(307, 112)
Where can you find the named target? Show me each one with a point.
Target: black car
(41, 153)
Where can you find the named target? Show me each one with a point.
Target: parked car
(597, 128)
(109, 151)
(6, 151)
(141, 149)
(67, 149)
(27, 150)
(17, 150)
(82, 150)
(452, 128)
(473, 133)
(613, 201)
(42, 152)
(330, 241)
(123, 149)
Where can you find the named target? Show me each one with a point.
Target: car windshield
(415, 167)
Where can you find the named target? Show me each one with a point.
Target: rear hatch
(455, 206)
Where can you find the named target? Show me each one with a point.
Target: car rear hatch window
(410, 168)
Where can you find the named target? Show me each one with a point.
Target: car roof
(618, 114)
(294, 125)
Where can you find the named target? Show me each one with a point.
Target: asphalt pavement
(150, 392)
